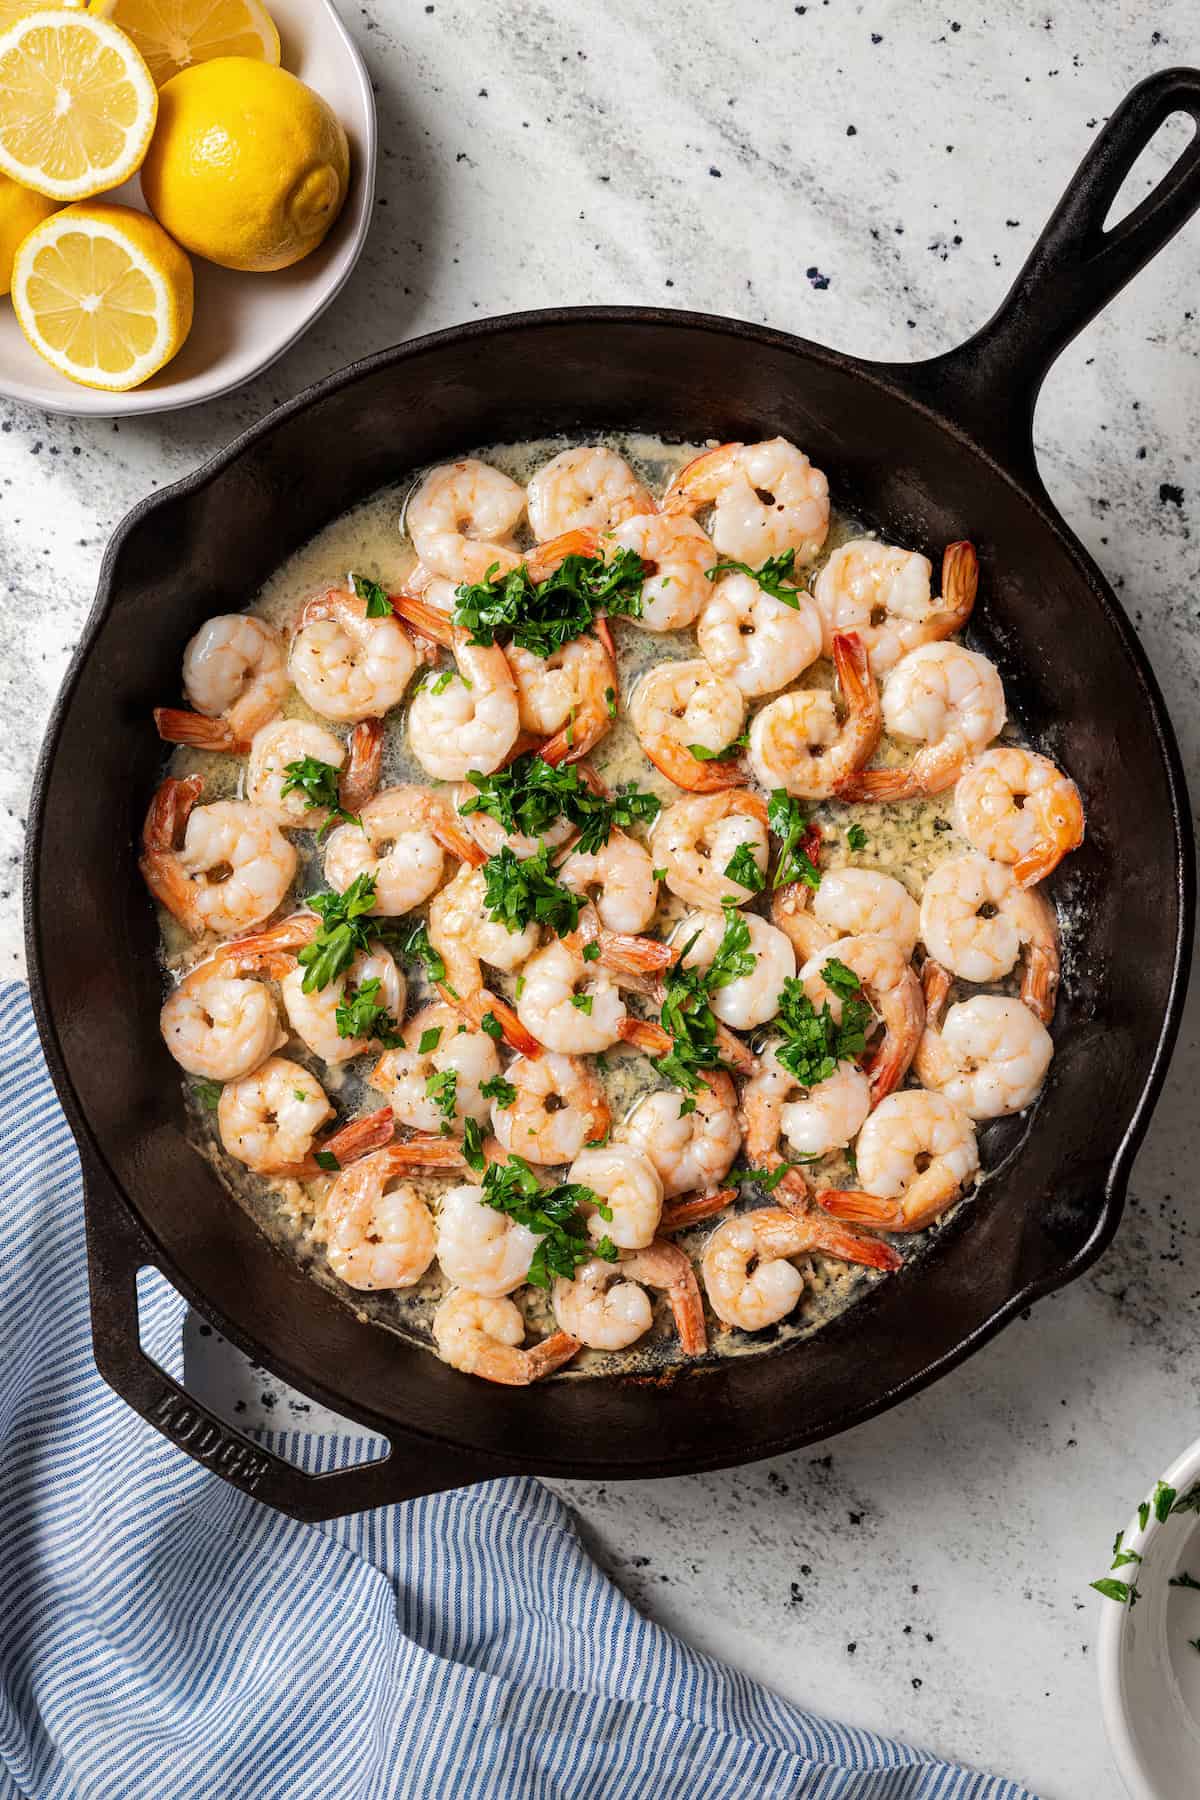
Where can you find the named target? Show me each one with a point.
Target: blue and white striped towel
(164, 1637)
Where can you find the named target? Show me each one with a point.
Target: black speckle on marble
(1169, 494)
(816, 279)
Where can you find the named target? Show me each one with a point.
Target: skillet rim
(901, 381)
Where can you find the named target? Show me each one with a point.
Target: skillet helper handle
(990, 384)
(117, 1248)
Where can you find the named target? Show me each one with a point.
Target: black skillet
(932, 451)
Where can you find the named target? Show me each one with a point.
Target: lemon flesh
(12, 10)
(77, 104)
(174, 34)
(103, 294)
(20, 210)
(249, 167)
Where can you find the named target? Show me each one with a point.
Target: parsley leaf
(378, 604)
(1124, 1592)
(553, 1213)
(318, 782)
(767, 1179)
(788, 820)
(771, 578)
(703, 754)
(1162, 1500)
(208, 1093)
(813, 1043)
(417, 944)
(360, 1013)
(1144, 1514)
(530, 796)
(325, 1159)
(686, 1014)
(520, 889)
(839, 979)
(491, 1025)
(473, 1145)
(582, 1003)
(497, 1089)
(430, 1040)
(743, 869)
(345, 929)
(440, 683)
(856, 838)
(734, 956)
(442, 1089)
(543, 615)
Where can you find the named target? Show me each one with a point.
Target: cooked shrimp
(827, 1117)
(676, 705)
(273, 748)
(989, 1054)
(462, 933)
(405, 1073)
(607, 1309)
(976, 922)
(849, 903)
(749, 637)
(232, 870)
(588, 486)
(628, 1186)
(400, 844)
(220, 1024)
(480, 1248)
(570, 1006)
(544, 1133)
(461, 520)
(747, 1000)
(491, 837)
(797, 742)
(268, 1119)
(347, 666)
(915, 1154)
(313, 1016)
(471, 721)
(749, 1277)
(1019, 808)
(945, 697)
(234, 678)
(621, 877)
(882, 593)
(766, 498)
(481, 1335)
(695, 840)
(569, 696)
(377, 1235)
(676, 556)
(689, 1149)
(890, 984)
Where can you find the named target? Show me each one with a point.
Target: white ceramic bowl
(1149, 1672)
(243, 322)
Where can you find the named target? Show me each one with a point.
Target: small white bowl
(243, 322)
(1149, 1672)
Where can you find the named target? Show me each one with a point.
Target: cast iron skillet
(933, 451)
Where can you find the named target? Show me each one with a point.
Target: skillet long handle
(117, 1249)
(990, 384)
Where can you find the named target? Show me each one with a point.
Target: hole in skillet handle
(118, 1254)
(990, 384)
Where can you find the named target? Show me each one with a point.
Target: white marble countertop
(870, 174)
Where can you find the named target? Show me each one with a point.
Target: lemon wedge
(77, 104)
(174, 34)
(103, 294)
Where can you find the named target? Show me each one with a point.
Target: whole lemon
(248, 166)
(20, 210)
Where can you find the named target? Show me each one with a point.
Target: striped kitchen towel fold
(164, 1636)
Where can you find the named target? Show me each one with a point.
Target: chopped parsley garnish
(543, 615)
(703, 754)
(1162, 1500)
(610, 701)
(518, 890)
(473, 1145)
(318, 782)
(430, 1040)
(360, 1013)
(686, 1014)
(439, 683)
(442, 1089)
(1183, 1579)
(734, 956)
(299, 1094)
(743, 869)
(856, 838)
(530, 796)
(1189, 1502)
(497, 1089)
(1144, 1514)
(345, 929)
(325, 1159)
(590, 953)
(208, 1093)
(582, 1003)
(776, 576)
(417, 944)
(813, 1043)
(788, 820)
(767, 1179)
(491, 1026)
(659, 874)
(1124, 1592)
(378, 604)
(553, 1213)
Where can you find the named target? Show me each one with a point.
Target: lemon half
(20, 210)
(103, 294)
(12, 10)
(77, 104)
(174, 34)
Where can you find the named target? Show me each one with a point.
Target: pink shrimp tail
(194, 729)
(364, 763)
